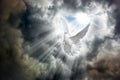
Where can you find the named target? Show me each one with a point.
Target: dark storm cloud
(95, 46)
(107, 55)
(11, 48)
(116, 14)
(76, 3)
(36, 19)
(71, 3)
(14, 65)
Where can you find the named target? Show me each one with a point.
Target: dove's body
(71, 44)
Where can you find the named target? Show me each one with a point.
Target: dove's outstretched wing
(80, 35)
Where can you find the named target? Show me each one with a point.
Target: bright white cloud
(70, 23)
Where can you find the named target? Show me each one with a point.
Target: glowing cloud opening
(71, 28)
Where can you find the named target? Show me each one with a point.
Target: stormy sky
(60, 39)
